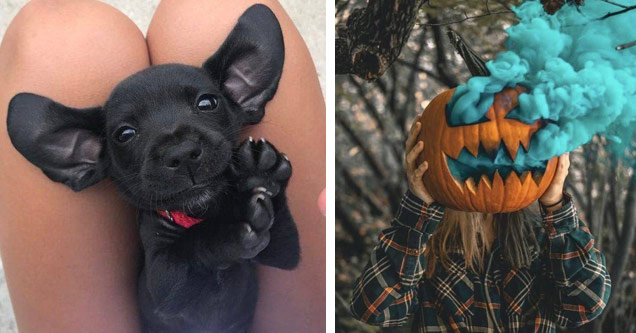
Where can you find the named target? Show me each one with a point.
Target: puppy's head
(165, 135)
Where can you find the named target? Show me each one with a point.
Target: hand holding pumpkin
(554, 193)
(414, 173)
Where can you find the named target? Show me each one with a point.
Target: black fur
(168, 138)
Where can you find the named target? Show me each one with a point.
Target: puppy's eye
(207, 102)
(125, 133)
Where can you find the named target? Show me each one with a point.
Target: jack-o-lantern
(476, 167)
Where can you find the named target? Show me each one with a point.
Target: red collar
(180, 218)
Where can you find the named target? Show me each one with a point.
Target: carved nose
(185, 153)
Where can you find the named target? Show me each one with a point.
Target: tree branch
(373, 37)
(421, 69)
(375, 164)
(340, 6)
(608, 15)
(411, 87)
(589, 154)
(466, 18)
(614, 3)
(358, 188)
(362, 91)
(625, 241)
(350, 227)
(393, 99)
(370, 106)
(443, 68)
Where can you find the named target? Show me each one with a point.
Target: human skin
(71, 259)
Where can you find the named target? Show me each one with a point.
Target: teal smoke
(576, 79)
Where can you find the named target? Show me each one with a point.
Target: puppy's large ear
(249, 64)
(66, 143)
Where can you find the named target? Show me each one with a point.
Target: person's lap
(70, 258)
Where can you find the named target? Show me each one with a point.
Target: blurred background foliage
(372, 118)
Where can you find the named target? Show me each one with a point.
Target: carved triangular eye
(207, 102)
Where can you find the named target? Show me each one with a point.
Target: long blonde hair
(465, 233)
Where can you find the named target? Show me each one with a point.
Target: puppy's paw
(261, 168)
(254, 233)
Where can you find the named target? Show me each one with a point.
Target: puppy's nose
(185, 153)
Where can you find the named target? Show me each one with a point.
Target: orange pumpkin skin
(496, 195)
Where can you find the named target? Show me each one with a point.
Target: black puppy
(168, 136)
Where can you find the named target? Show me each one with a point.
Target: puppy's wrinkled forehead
(159, 87)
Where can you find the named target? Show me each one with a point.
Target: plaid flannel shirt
(566, 285)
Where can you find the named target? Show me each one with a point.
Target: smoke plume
(577, 81)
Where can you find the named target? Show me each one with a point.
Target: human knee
(219, 9)
(189, 30)
(52, 28)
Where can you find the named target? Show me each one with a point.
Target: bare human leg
(71, 259)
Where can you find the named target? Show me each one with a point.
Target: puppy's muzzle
(183, 157)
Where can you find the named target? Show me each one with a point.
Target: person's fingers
(419, 172)
(412, 156)
(322, 202)
(413, 133)
(566, 160)
(564, 164)
(410, 141)
(562, 168)
(415, 123)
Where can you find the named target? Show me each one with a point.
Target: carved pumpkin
(479, 167)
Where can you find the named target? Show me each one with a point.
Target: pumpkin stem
(476, 65)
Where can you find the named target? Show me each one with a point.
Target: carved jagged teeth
(526, 143)
(537, 176)
(485, 180)
(496, 178)
(525, 177)
(471, 140)
(512, 177)
(474, 150)
(492, 145)
(512, 146)
(470, 184)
